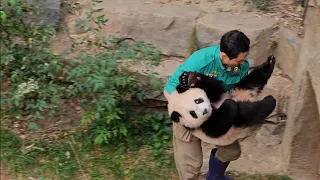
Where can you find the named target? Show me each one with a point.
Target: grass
(78, 158)
(261, 4)
(59, 161)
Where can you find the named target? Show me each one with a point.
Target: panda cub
(202, 102)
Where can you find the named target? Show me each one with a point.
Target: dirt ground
(50, 128)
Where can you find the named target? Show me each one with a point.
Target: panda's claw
(189, 79)
(180, 88)
(271, 59)
(183, 78)
(193, 79)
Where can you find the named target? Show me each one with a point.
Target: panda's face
(190, 108)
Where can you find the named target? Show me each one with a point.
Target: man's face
(234, 62)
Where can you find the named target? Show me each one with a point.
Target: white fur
(183, 103)
(244, 95)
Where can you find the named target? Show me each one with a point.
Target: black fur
(180, 88)
(231, 113)
(213, 87)
(221, 120)
(259, 76)
(189, 129)
(252, 113)
(175, 116)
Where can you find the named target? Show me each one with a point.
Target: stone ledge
(287, 51)
(51, 11)
(211, 27)
(169, 27)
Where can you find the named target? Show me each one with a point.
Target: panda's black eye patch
(193, 114)
(198, 101)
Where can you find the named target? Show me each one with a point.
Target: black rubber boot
(216, 168)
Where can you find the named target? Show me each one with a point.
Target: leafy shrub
(28, 64)
(261, 4)
(37, 79)
(110, 94)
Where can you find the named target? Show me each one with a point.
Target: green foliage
(72, 6)
(12, 154)
(41, 157)
(36, 79)
(28, 64)
(261, 4)
(42, 160)
(111, 95)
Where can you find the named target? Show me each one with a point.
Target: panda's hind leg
(221, 119)
(251, 113)
(266, 69)
(258, 77)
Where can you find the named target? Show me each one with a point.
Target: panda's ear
(175, 116)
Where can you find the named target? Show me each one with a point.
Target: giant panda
(201, 104)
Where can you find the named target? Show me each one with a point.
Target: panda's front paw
(189, 79)
(181, 88)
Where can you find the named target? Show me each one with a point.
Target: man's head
(234, 48)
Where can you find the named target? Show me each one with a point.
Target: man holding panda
(227, 62)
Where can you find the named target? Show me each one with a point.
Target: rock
(51, 11)
(287, 51)
(260, 152)
(313, 3)
(300, 149)
(196, 1)
(287, 2)
(211, 27)
(167, 26)
(16, 125)
(162, 1)
(248, 132)
(267, 131)
(222, 6)
(280, 87)
(23, 136)
(165, 69)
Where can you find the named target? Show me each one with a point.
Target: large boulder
(165, 26)
(300, 149)
(50, 11)
(287, 51)
(211, 27)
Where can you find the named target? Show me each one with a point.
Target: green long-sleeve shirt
(207, 61)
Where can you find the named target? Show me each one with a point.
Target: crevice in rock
(171, 24)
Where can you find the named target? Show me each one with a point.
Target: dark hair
(234, 42)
